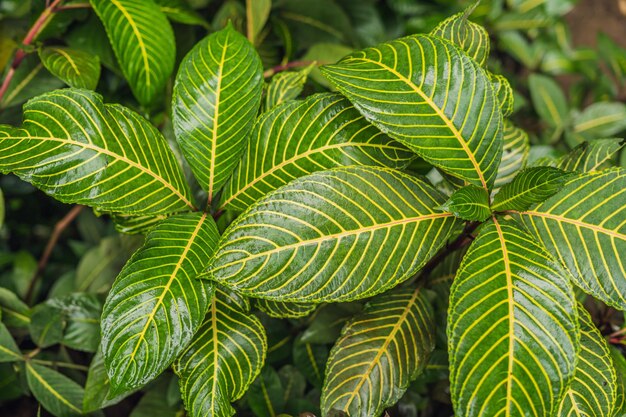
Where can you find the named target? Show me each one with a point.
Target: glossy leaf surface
(378, 354)
(472, 38)
(143, 42)
(583, 226)
(281, 310)
(223, 359)
(424, 92)
(532, 185)
(514, 154)
(590, 156)
(79, 150)
(469, 203)
(512, 327)
(334, 235)
(285, 86)
(74, 67)
(156, 303)
(301, 137)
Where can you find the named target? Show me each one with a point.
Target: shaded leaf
(335, 235)
(281, 310)
(504, 93)
(285, 86)
(74, 67)
(514, 155)
(57, 393)
(619, 363)
(179, 11)
(469, 203)
(98, 387)
(265, 395)
(311, 360)
(9, 352)
(590, 156)
(548, 100)
(30, 79)
(257, 12)
(600, 120)
(15, 313)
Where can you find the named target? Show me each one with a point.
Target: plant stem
(288, 65)
(54, 237)
(30, 37)
(73, 6)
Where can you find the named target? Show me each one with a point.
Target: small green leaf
(469, 203)
(156, 304)
(46, 324)
(9, 352)
(326, 324)
(323, 53)
(285, 86)
(179, 11)
(472, 38)
(318, 21)
(266, 394)
(57, 393)
(154, 404)
(311, 360)
(397, 87)
(15, 313)
(79, 150)
(257, 12)
(504, 93)
(549, 101)
(512, 327)
(379, 353)
(590, 156)
(335, 235)
(304, 136)
(533, 185)
(619, 363)
(98, 387)
(31, 79)
(600, 120)
(281, 310)
(74, 67)
(216, 96)
(143, 42)
(583, 227)
(514, 155)
(223, 359)
(593, 389)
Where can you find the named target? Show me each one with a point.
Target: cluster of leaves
(368, 247)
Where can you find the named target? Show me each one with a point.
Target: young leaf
(530, 186)
(216, 96)
(74, 67)
(285, 86)
(514, 155)
(223, 359)
(469, 203)
(301, 137)
(404, 88)
(549, 101)
(472, 38)
(281, 310)
(512, 327)
(57, 393)
(9, 352)
(504, 93)
(79, 150)
(590, 156)
(583, 226)
(335, 235)
(143, 42)
(257, 12)
(156, 304)
(593, 389)
(379, 353)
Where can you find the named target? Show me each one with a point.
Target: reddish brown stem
(54, 237)
(32, 34)
(288, 65)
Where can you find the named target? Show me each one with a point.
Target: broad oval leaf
(79, 150)
(378, 354)
(512, 327)
(471, 37)
(301, 137)
(57, 393)
(223, 359)
(600, 120)
(216, 96)
(156, 304)
(143, 42)
(335, 235)
(583, 226)
(76, 68)
(530, 186)
(593, 389)
(429, 95)
(469, 203)
(282, 310)
(514, 154)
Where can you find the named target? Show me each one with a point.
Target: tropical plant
(397, 218)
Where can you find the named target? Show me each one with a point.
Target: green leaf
(225, 356)
(79, 150)
(504, 93)
(323, 53)
(132, 225)
(533, 185)
(285, 86)
(301, 137)
(512, 327)
(593, 389)
(281, 310)
(548, 100)
(590, 156)
(9, 352)
(57, 393)
(600, 120)
(15, 313)
(46, 324)
(583, 227)
(257, 12)
(143, 42)
(74, 67)
(335, 235)
(469, 203)
(156, 304)
(311, 360)
(265, 395)
(154, 404)
(2, 209)
(379, 353)
(514, 155)
(619, 363)
(30, 79)
(97, 387)
(470, 37)
(82, 329)
(216, 96)
(326, 324)
(400, 87)
(313, 22)
(179, 11)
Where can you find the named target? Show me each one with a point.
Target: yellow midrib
(69, 59)
(52, 390)
(599, 229)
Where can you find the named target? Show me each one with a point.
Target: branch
(54, 237)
